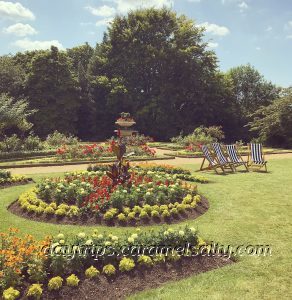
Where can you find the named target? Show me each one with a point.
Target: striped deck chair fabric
(232, 152)
(256, 153)
(213, 163)
(223, 160)
(256, 156)
(221, 157)
(208, 155)
(235, 157)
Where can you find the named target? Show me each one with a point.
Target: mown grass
(245, 208)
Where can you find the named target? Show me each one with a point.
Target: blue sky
(239, 31)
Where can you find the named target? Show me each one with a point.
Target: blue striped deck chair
(222, 158)
(256, 156)
(235, 157)
(213, 163)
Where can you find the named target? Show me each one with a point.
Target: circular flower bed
(6, 179)
(90, 197)
(107, 265)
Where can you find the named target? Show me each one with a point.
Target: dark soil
(122, 285)
(201, 208)
(10, 184)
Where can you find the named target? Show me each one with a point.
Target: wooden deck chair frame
(240, 161)
(253, 164)
(210, 166)
(228, 164)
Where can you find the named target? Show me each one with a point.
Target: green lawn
(245, 208)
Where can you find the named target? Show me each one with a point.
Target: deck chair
(213, 163)
(223, 160)
(256, 156)
(235, 157)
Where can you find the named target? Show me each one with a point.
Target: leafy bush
(57, 139)
(32, 143)
(10, 294)
(4, 174)
(10, 144)
(35, 291)
(109, 270)
(72, 280)
(91, 272)
(126, 264)
(201, 135)
(145, 260)
(55, 283)
(134, 140)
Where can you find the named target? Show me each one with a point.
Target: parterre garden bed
(103, 264)
(154, 194)
(8, 180)
(55, 269)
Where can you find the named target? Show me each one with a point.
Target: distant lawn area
(245, 208)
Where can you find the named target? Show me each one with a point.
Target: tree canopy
(152, 63)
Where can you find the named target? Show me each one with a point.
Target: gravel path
(175, 162)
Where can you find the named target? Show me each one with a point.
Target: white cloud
(289, 36)
(213, 45)
(123, 6)
(20, 29)
(102, 11)
(26, 44)
(215, 29)
(15, 11)
(290, 23)
(258, 48)
(243, 6)
(194, 1)
(103, 22)
(269, 28)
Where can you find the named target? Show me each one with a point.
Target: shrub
(201, 135)
(155, 214)
(174, 211)
(108, 216)
(4, 174)
(55, 283)
(126, 210)
(36, 271)
(131, 216)
(158, 258)
(174, 256)
(73, 211)
(57, 139)
(35, 291)
(143, 214)
(32, 143)
(165, 214)
(122, 217)
(109, 270)
(137, 209)
(10, 144)
(60, 212)
(187, 199)
(145, 260)
(126, 264)
(91, 272)
(10, 294)
(72, 280)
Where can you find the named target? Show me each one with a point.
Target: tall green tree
(155, 65)
(80, 57)
(12, 76)
(273, 123)
(52, 90)
(250, 91)
(14, 114)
